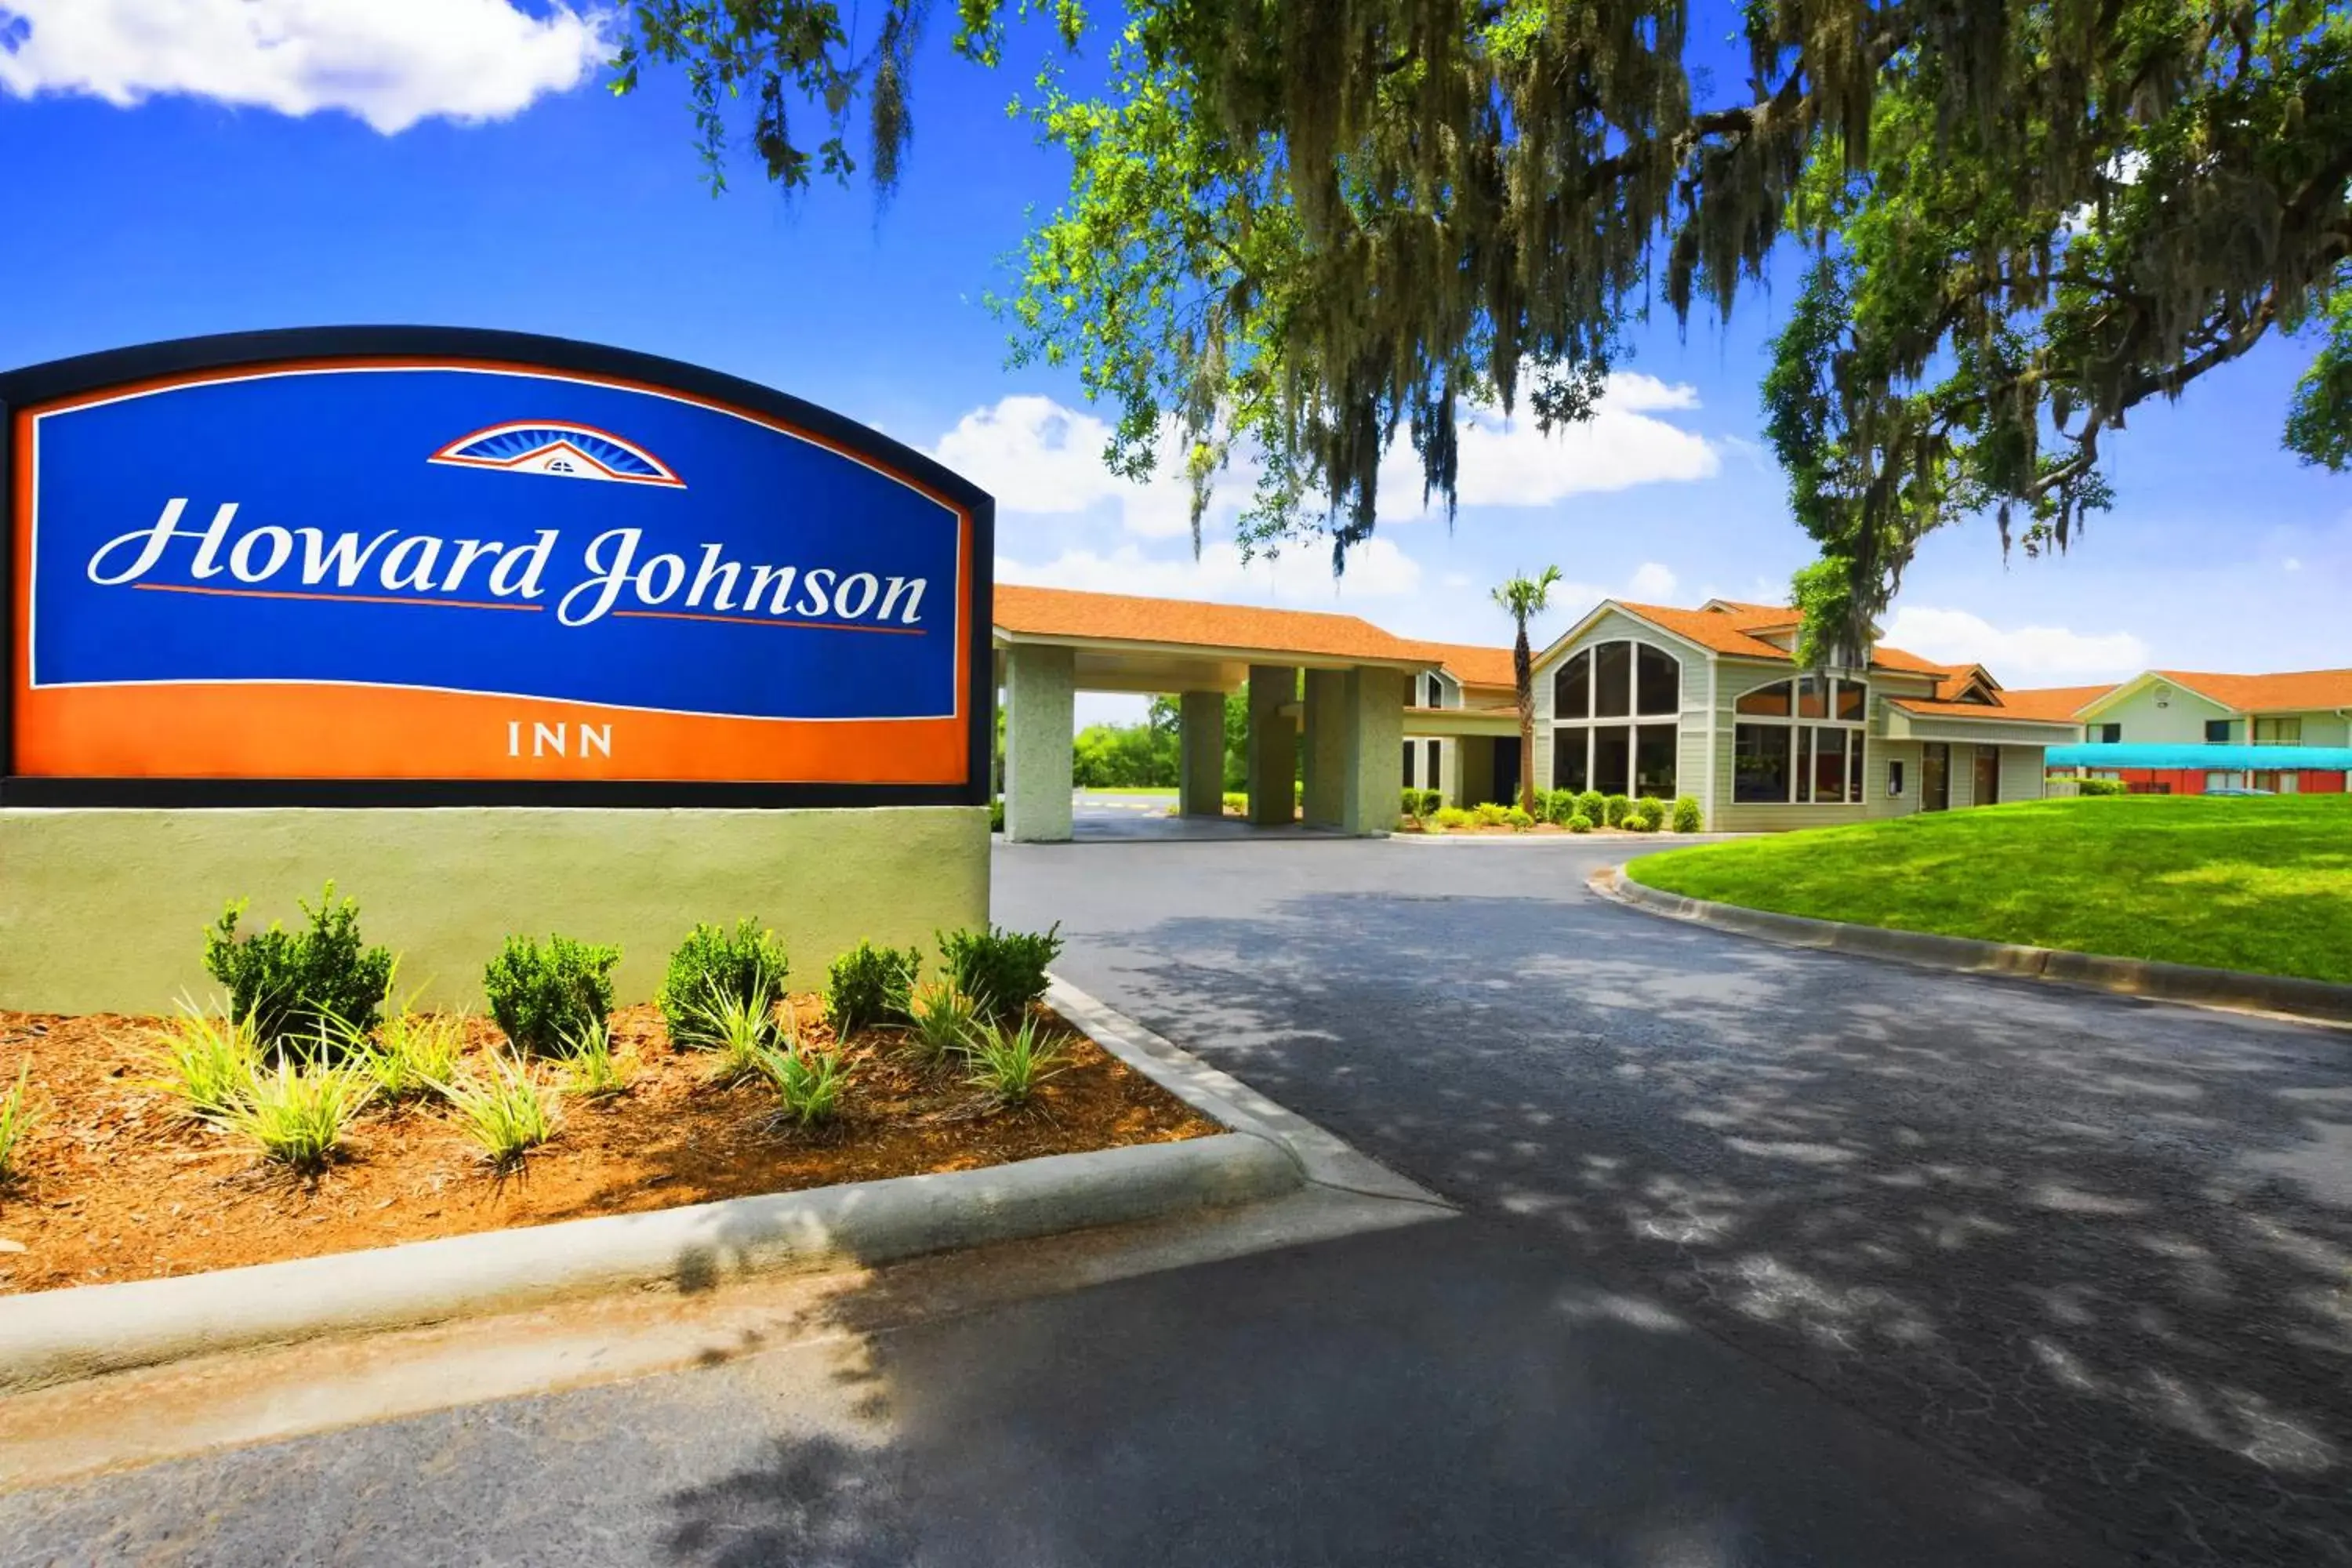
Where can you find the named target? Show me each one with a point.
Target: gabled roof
(2053, 701)
(1731, 631)
(1471, 664)
(2298, 690)
(1068, 613)
(1989, 712)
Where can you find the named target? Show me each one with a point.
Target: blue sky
(177, 177)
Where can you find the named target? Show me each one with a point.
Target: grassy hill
(2252, 884)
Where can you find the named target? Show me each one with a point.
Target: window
(1409, 751)
(2278, 731)
(1618, 680)
(2219, 781)
(1436, 778)
(1612, 756)
(2217, 732)
(1893, 776)
(1612, 682)
(1661, 677)
(1653, 761)
(1572, 760)
(2103, 735)
(1760, 770)
(1810, 746)
(1571, 689)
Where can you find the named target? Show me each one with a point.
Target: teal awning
(2189, 754)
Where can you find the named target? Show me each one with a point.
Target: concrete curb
(54, 1336)
(2310, 1001)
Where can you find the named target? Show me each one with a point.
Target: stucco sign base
(102, 911)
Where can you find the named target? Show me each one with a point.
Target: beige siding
(2021, 773)
(2179, 715)
(1736, 676)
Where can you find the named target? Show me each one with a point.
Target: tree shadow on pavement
(2099, 1247)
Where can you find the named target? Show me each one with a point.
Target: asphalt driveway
(2099, 1248)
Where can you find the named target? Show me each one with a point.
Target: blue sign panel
(282, 568)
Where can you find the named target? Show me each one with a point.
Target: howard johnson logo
(565, 451)
(612, 573)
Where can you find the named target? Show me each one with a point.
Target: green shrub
(996, 815)
(412, 1052)
(808, 1083)
(943, 1020)
(2099, 787)
(1004, 971)
(508, 1113)
(1592, 803)
(712, 960)
(289, 985)
(1454, 816)
(1236, 803)
(1579, 823)
(298, 1117)
(1613, 809)
(208, 1065)
(1430, 801)
(1651, 810)
(16, 1121)
(867, 986)
(1491, 813)
(1517, 820)
(1687, 816)
(1559, 805)
(1007, 1065)
(542, 996)
(1636, 822)
(1409, 803)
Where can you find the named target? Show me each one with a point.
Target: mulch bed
(113, 1185)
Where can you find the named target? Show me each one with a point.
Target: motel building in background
(2185, 731)
(1635, 699)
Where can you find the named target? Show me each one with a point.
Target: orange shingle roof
(2292, 691)
(1123, 617)
(1470, 663)
(2053, 701)
(1727, 631)
(1993, 712)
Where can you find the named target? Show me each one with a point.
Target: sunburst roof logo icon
(563, 451)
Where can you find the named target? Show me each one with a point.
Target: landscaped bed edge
(2316, 1000)
(54, 1336)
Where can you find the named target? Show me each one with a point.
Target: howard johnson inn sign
(443, 610)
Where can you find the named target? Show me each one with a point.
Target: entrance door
(1936, 777)
(1988, 775)
(1507, 770)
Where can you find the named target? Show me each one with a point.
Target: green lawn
(2254, 884)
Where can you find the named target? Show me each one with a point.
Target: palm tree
(1524, 596)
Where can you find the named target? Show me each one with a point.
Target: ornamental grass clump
(412, 1052)
(1008, 1064)
(591, 1068)
(539, 995)
(207, 1064)
(506, 1111)
(1004, 971)
(17, 1120)
(297, 1117)
(1579, 823)
(738, 1028)
(288, 985)
(809, 1083)
(1491, 813)
(713, 961)
(943, 1019)
(869, 985)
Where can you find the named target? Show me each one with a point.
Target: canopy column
(1040, 703)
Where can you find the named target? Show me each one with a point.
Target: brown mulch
(113, 1184)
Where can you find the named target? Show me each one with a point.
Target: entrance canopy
(2191, 754)
(1342, 679)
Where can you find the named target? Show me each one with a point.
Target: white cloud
(1298, 577)
(2020, 656)
(389, 62)
(1038, 456)
(1653, 583)
(1510, 462)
